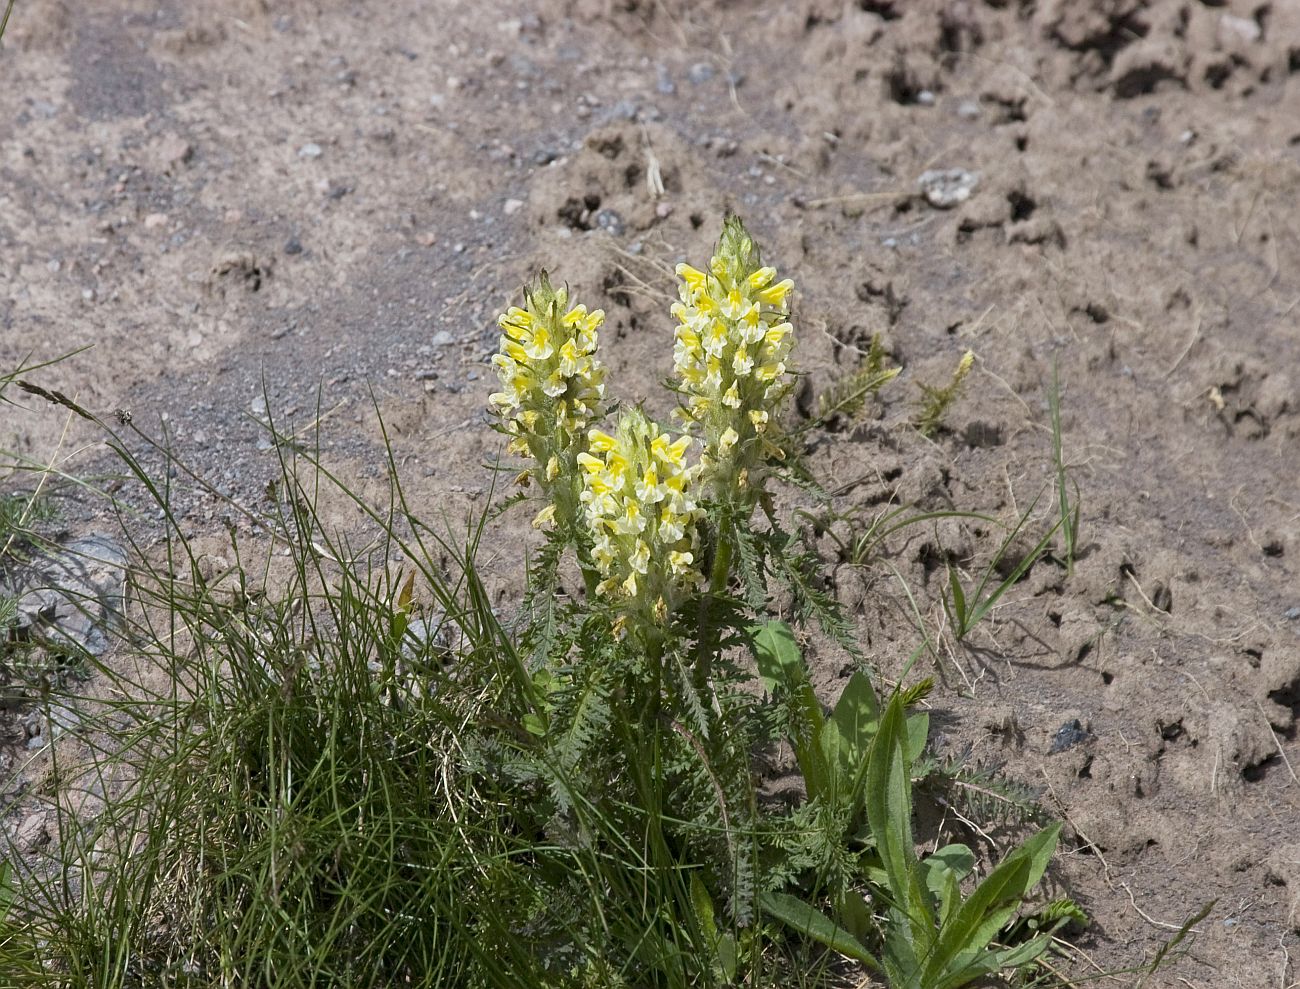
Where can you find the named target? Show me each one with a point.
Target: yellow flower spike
(638, 504)
(545, 517)
(601, 442)
(552, 387)
(693, 277)
(774, 295)
(733, 382)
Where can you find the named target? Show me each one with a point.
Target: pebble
(293, 246)
(968, 109)
(512, 206)
(1068, 736)
(700, 72)
(945, 188)
(1292, 614)
(664, 84)
(310, 150)
(33, 832)
(610, 222)
(925, 98)
(441, 339)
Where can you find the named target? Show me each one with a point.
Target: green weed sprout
(935, 401)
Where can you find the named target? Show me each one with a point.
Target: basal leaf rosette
(639, 502)
(552, 389)
(733, 343)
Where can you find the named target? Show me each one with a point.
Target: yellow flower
(640, 508)
(552, 388)
(733, 341)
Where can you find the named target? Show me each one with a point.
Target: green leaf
(811, 922)
(702, 904)
(846, 739)
(918, 732)
(855, 913)
(944, 870)
(958, 600)
(889, 813)
(781, 665)
(989, 907)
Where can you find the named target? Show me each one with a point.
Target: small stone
(1246, 29)
(441, 339)
(293, 246)
(663, 210)
(310, 150)
(1292, 614)
(947, 187)
(610, 222)
(700, 73)
(664, 84)
(33, 832)
(426, 239)
(925, 98)
(512, 206)
(174, 150)
(1068, 736)
(35, 742)
(968, 109)
(155, 220)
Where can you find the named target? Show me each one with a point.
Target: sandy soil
(329, 203)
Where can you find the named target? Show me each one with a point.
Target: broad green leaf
(987, 962)
(889, 813)
(725, 956)
(780, 664)
(811, 922)
(991, 905)
(855, 913)
(702, 904)
(944, 870)
(918, 732)
(846, 738)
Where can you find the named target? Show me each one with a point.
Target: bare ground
(329, 203)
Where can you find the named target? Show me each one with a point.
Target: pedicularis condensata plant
(632, 499)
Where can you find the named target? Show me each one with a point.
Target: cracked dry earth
(313, 211)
